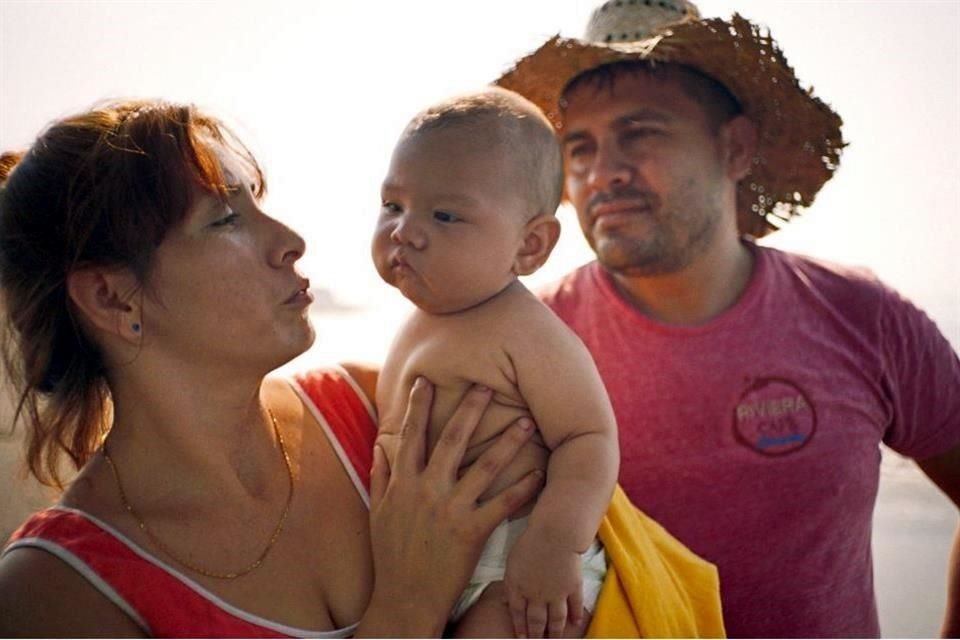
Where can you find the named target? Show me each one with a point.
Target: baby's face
(452, 220)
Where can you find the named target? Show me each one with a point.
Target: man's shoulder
(571, 287)
(827, 271)
(855, 294)
(842, 283)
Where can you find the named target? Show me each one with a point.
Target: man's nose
(611, 168)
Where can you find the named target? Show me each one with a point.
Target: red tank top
(159, 598)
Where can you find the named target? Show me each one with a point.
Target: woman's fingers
(379, 476)
(498, 508)
(448, 453)
(485, 469)
(412, 445)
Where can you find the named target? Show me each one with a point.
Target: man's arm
(944, 470)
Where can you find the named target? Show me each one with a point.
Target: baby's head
(468, 201)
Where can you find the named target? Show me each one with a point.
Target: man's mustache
(645, 198)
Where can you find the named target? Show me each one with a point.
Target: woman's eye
(229, 219)
(443, 216)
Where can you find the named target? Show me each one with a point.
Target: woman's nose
(288, 246)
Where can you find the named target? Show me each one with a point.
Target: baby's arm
(560, 383)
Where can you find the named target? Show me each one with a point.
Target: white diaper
(492, 567)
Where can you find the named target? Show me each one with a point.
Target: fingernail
(481, 388)
(526, 424)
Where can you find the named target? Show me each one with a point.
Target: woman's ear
(540, 236)
(740, 138)
(106, 300)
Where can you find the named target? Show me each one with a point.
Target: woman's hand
(426, 527)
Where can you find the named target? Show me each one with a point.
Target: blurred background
(321, 90)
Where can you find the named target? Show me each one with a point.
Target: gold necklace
(166, 550)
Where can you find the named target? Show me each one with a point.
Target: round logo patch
(774, 417)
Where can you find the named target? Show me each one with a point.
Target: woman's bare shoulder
(279, 392)
(41, 596)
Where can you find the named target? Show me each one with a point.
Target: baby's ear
(540, 236)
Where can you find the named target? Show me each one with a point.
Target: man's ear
(739, 135)
(540, 236)
(107, 300)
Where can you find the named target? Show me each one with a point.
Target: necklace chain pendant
(189, 565)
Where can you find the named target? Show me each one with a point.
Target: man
(752, 387)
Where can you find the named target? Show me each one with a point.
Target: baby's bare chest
(452, 359)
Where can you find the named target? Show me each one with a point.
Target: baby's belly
(499, 416)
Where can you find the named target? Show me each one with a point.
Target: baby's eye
(443, 216)
(389, 207)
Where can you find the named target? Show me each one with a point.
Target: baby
(468, 205)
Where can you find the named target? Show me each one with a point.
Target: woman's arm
(42, 597)
(426, 526)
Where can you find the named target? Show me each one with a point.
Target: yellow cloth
(655, 587)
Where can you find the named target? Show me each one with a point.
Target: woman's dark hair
(101, 188)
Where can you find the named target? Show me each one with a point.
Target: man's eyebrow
(641, 115)
(574, 136)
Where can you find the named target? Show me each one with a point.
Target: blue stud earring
(136, 327)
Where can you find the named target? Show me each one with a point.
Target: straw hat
(799, 141)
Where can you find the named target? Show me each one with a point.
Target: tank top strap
(156, 597)
(346, 415)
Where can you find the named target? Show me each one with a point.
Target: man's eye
(443, 216)
(640, 133)
(577, 151)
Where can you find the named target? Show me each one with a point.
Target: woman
(147, 296)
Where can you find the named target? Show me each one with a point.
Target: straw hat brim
(799, 138)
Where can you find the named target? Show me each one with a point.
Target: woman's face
(224, 289)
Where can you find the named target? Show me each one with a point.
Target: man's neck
(700, 292)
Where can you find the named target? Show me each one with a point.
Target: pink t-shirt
(755, 438)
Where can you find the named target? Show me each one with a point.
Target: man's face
(645, 172)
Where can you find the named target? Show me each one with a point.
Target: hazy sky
(320, 90)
